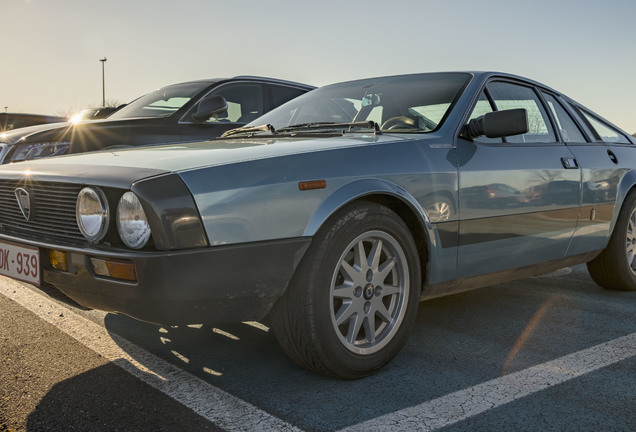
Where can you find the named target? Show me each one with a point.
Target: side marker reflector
(314, 184)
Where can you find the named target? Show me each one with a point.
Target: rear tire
(615, 267)
(354, 297)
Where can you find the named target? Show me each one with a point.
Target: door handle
(612, 156)
(569, 163)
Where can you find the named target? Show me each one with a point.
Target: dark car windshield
(160, 103)
(408, 103)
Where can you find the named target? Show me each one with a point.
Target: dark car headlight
(132, 223)
(28, 151)
(92, 214)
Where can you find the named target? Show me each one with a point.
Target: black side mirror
(497, 124)
(209, 107)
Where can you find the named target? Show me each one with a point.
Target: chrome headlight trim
(92, 214)
(132, 222)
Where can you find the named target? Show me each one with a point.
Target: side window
(483, 107)
(244, 101)
(509, 96)
(283, 94)
(607, 133)
(567, 126)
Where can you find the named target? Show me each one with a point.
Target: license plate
(20, 262)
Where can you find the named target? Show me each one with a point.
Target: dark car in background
(189, 111)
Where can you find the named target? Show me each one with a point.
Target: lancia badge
(24, 201)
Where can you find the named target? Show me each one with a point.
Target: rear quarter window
(606, 132)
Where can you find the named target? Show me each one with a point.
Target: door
(604, 158)
(519, 196)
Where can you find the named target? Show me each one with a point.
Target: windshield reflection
(408, 103)
(160, 103)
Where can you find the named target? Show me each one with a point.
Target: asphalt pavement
(553, 352)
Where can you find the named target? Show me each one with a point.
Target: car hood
(191, 156)
(88, 128)
(13, 136)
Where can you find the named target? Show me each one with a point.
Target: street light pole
(103, 83)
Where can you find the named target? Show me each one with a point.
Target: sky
(51, 49)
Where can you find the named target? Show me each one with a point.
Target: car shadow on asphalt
(106, 398)
(457, 342)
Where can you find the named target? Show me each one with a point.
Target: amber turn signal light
(124, 270)
(58, 261)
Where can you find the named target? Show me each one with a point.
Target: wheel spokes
(383, 313)
(374, 255)
(630, 241)
(345, 313)
(355, 324)
(384, 270)
(366, 300)
(369, 329)
(359, 256)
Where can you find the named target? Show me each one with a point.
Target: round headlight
(91, 212)
(132, 223)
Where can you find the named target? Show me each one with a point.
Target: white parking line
(215, 405)
(234, 414)
(463, 404)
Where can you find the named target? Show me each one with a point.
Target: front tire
(615, 267)
(354, 297)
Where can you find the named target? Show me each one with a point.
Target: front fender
(358, 189)
(438, 262)
(362, 188)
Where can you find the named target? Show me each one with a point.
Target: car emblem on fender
(24, 201)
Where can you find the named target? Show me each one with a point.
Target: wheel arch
(390, 195)
(626, 185)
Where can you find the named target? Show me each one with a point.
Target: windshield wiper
(247, 129)
(332, 125)
(304, 127)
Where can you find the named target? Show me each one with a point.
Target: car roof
(491, 74)
(210, 81)
(273, 80)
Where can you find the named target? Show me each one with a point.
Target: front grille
(52, 212)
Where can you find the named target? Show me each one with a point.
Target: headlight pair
(31, 151)
(93, 217)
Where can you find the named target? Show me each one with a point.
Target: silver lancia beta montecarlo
(334, 214)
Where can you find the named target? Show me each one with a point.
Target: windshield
(160, 103)
(404, 104)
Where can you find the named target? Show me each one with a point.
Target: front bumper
(206, 285)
